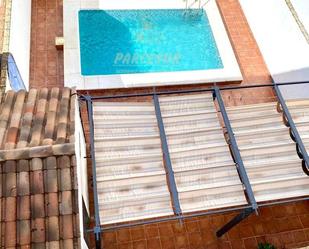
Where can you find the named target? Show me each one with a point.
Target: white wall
(20, 36)
(280, 40)
(81, 164)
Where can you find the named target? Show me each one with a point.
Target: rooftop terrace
(39, 175)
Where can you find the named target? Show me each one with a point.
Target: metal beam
(210, 89)
(235, 150)
(171, 218)
(167, 159)
(236, 220)
(97, 229)
(291, 124)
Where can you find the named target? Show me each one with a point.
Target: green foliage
(266, 246)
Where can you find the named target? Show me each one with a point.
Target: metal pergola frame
(245, 210)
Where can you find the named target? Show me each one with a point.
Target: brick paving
(46, 62)
(247, 52)
(285, 226)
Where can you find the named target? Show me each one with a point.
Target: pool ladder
(201, 4)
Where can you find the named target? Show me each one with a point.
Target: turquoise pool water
(143, 41)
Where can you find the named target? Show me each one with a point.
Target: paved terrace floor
(286, 226)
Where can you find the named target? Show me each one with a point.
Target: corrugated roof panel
(268, 152)
(131, 178)
(206, 176)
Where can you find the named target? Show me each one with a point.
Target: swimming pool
(145, 41)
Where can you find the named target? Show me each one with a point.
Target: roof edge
(37, 152)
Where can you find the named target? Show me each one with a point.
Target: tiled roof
(40, 117)
(38, 190)
(37, 122)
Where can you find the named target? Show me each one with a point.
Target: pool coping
(72, 68)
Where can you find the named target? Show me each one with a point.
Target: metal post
(291, 124)
(235, 150)
(97, 229)
(167, 159)
(233, 222)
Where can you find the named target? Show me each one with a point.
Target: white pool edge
(72, 68)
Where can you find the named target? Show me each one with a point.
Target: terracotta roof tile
(51, 180)
(64, 162)
(10, 209)
(9, 167)
(52, 228)
(51, 163)
(23, 208)
(35, 217)
(37, 117)
(10, 184)
(38, 200)
(53, 245)
(75, 201)
(38, 230)
(38, 245)
(52, 204)
(36, 182)
(66, 203)
(22, 166)
(24, 232)
(67, 244)
(36, 164)
(66, 227)
(37, 206)
(66, 179)
(23, 183)
(10, 234)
